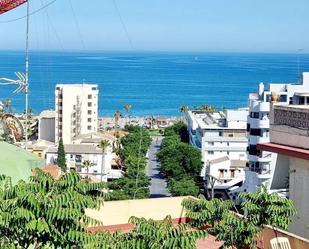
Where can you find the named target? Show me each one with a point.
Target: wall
(119, 212)
(47, 129)
(281, 172)
(295, 241)
(299, 193)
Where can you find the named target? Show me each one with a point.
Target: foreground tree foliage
(150, 234)
(180, 162)
(132, 152)
(237, 231)
(47, 212)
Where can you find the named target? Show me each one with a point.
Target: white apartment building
(76, 107)
(221, 137)
(46, 126)
(76, 154)
(263, 165)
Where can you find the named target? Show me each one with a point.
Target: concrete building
(262, 164)
(221, 137)
(76, 154)
(46, 126)
(289, 138)
(76, 108)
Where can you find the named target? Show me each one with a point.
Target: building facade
(76, 107)
(221, 137)
(289, 138)
(46, 126)
(77, 154)
(262, 165)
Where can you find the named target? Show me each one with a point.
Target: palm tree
(184, 109)
(87, 164)
(104, 144)
(8, 105)
(127, 107)
(117, 116)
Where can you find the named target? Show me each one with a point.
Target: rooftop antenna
(27, 74)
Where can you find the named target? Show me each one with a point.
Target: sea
(154, 83)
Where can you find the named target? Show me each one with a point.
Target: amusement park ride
(22, 83)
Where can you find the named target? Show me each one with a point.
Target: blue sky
(169, 25)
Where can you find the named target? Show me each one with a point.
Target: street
(158, 187)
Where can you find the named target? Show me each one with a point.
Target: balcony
(290, 126)
(264, 159)
(258, 139)
(256, 123)
(259, 106)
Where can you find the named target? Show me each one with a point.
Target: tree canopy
(132, 152)
(47, 212)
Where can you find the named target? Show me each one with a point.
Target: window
(220, 133)
(255, 132)
(283, 98)
(211, 152)
(253, 150)
(89, 127)
(89, 120)
(221, 173)
(89, 104)
(232, 173)
(254, 115)
(89, 112)
(89, 96)
(302, 100)
(228, 144)
(211, 143)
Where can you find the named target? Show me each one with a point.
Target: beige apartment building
(76, 107)
(289, 137)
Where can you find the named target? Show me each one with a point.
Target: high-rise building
(262, 165)
(76, 108)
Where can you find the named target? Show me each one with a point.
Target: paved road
(158, 183)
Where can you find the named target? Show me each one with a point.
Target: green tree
(127, 108)
(117, 116)
(87, 164)
(262, 208)
(132, 152)
(204, 212)
(104, 144)
(47, 212)
(180, 129)
(237, 231)
(183, 187)
(61, 161)
(180, 160)
(149, 234)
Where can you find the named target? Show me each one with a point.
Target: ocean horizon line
(160, 51)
